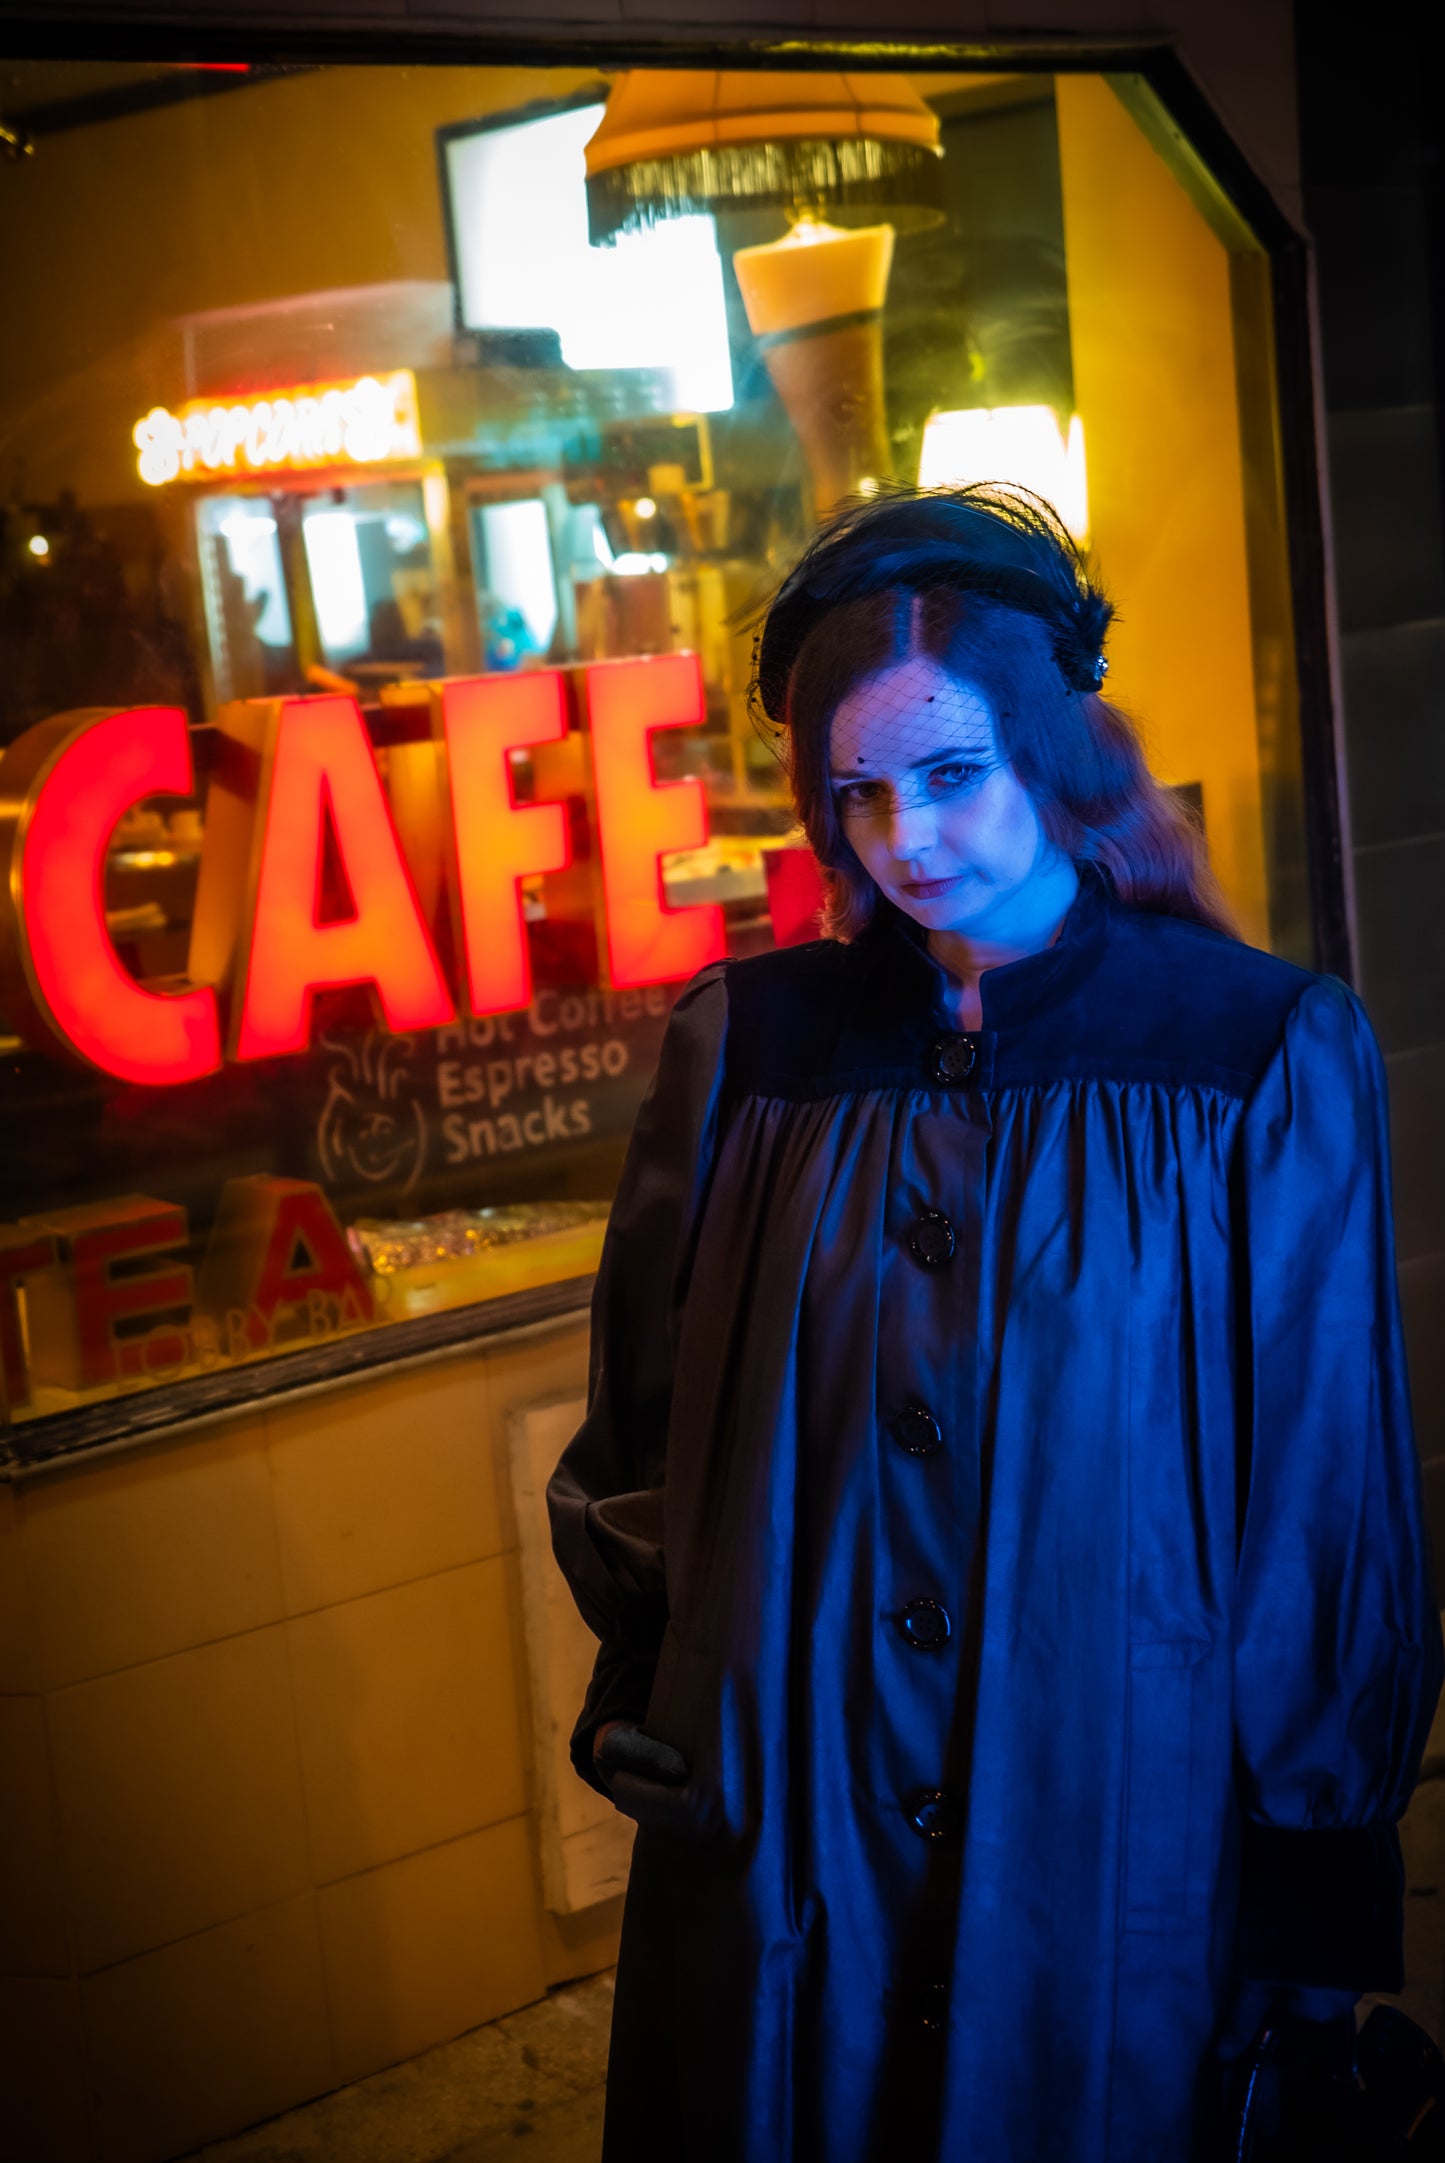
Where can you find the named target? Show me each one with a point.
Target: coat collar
(1012, 994)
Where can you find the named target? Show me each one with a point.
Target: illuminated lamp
(639, 820)
(316, 768)
(814, 302)
(498, 842)
(1022, 444)
(63, 786)
(673, 142)
(277, 1266)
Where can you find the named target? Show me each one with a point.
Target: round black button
(925, 1624)
(953, 1059)
(935, 1815)
(917, 1431)
(931, 1237)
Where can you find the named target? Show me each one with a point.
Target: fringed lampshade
(675, 141)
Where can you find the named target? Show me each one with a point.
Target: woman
(997, 1502)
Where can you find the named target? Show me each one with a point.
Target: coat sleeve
(606, 1496)
(1337, 1648)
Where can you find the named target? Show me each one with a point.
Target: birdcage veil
(986, 587)
(998, 542)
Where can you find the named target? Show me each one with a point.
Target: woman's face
(934, 812)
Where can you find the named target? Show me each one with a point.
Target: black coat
(998, 1484)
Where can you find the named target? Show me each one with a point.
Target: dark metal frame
(1288, 252)
(278, 47)
(146, 1413)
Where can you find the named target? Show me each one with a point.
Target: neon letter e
(640, 819)
(497, 840)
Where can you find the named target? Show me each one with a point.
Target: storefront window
(394, 459)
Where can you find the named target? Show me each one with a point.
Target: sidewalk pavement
(529, 2088)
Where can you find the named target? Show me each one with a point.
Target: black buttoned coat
(998, 1485)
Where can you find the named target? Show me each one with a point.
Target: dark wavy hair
(987, 582)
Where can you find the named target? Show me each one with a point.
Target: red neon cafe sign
(261, 948)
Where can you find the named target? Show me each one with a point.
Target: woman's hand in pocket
(621, 1746)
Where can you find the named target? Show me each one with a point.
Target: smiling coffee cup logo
(373, 1128)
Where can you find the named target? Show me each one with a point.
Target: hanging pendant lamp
(673, 142)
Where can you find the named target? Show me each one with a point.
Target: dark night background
(1374, 197)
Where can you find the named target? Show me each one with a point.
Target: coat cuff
(621, 1687)
(1323, 1910)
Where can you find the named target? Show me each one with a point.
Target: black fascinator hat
(998, 541)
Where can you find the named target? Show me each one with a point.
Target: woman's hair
(986, 582)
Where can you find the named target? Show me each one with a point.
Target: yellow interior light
(1022, 444)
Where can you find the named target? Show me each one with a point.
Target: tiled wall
(264, 1762)
(1373, 203)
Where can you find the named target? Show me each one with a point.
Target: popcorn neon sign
(364, 422)
(261, 947)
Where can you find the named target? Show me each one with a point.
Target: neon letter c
(63, 787)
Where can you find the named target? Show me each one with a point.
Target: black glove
(625, 1748)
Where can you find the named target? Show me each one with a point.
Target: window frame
(1198, 137)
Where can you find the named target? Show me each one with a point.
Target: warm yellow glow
(1022, 444)
(38, 545)
(670, 112)
(832, 284)
(641, 820)
(645, 507)
(1151, 334)
(321, 759)
(815, 272)
(809, 232)
(482, 722)
(363, 422)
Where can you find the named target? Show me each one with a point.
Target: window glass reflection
(354, 385)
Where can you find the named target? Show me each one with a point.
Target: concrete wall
(266, 1769)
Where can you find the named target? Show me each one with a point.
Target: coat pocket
(683, 1709)
(1161, 1877)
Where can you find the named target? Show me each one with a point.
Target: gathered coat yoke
(998, 1484)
